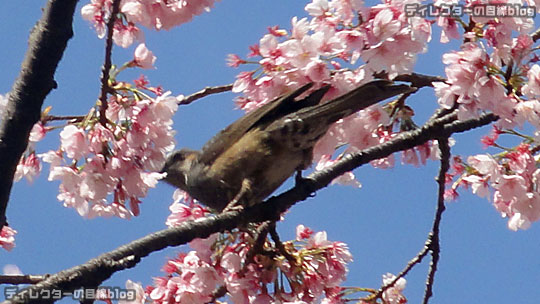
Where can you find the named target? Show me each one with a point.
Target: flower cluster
(7, 238)
(338, 32)
(394, 294)
(314, 266)
(489, 71)
(153, 14)
(117, 155)
(496, 71)
(512, 176)
(324, 49)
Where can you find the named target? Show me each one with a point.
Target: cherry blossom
(7, 238)
(154, 14)
(394, 294)
(510, 180)
(29, 167)
(194, 276)
(116, 161)
(144, 58)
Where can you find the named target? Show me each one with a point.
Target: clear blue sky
(385, 223)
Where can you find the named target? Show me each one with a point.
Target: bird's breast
(260, 158)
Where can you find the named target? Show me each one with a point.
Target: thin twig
(416, 80)
(262, 231)
(434, 237)
(416, 260)
(432, 243)
(53, 118)
(105, 70)
(279, 245)
(205, 92)
(535, 35)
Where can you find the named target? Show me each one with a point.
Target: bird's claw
(233, 206)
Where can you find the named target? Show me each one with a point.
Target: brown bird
(252, 157)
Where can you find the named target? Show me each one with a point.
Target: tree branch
(434, 237)
(46, 45)
(432, 243)
(106, 68)
(205, 92)
(97, 270)
(15, 279)
(441, 127)
(535, 35)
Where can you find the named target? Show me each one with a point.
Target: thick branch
(46, 45)
(22, 279)
(97, 270)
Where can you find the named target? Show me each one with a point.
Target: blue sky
(385, 223)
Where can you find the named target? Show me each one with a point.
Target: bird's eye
(179, 156)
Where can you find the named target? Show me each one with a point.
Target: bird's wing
(353, 101)
(310, 123)
(280, 106)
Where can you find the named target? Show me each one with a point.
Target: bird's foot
(241, 199)
(233, 206)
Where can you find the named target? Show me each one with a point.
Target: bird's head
(178, 166)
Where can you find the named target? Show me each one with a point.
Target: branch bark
(46, 46)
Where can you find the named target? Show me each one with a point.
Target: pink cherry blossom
(120, 162)
(11, 269)
(140, 295)
(532, 87)
(73, 141)
(234, 60)
(347, 178)
(303, 232)
(394, 294)
(37, 133)
(7, 238)
(525, 211)
(97, 11)
(194, 282)
(184, 209)
(154, 14)
(317, 71)
(449, 29)
(317, 8)
(29, 167)
(144, 58)
(485, 164)
(478, 184)
(125, 35)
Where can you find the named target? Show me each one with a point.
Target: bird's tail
(353, 101)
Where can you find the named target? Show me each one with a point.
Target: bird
(246, 161)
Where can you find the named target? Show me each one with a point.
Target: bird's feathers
(266, 113)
